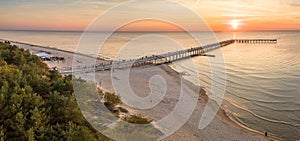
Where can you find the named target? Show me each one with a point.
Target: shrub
(137, 119)
(112, 99)
(123, 110)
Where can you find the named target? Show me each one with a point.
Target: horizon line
(124, 31)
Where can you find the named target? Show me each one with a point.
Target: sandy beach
(221, 128)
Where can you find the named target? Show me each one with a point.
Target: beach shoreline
(189, 131)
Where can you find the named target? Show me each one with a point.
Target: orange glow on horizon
(150, 25)
(155, 25)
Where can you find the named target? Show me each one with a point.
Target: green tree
(78, 133)
(2, 133)
(30, 135)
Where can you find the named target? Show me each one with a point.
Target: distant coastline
(104, 31)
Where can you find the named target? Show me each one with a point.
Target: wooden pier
(256, 41)
(166, 57)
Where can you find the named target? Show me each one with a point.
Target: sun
(234, 24)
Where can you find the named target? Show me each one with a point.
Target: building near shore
(44, 55)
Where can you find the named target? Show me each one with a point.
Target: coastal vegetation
(37, 103)
(137, 119)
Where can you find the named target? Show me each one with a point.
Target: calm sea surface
(262, 87)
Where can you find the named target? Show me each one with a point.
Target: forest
(37, 103)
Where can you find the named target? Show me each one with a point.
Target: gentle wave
(236, 120)
(277, 109)
(259, 116)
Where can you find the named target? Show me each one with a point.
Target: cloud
(294, 3)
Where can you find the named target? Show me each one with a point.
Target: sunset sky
(221, 15)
